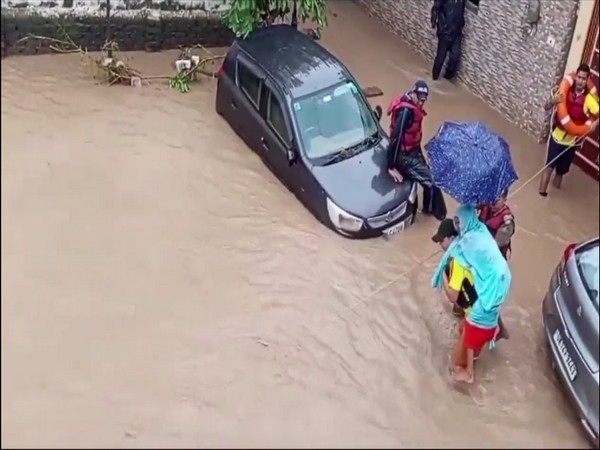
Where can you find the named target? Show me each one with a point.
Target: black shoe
(449, 77)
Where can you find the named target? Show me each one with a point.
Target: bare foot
(462, 376)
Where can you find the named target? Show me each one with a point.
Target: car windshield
(587, 264)
(333, 120)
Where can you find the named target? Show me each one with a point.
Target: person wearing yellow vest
(582, 105)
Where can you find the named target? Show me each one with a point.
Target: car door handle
(265, 146)
(233, 104)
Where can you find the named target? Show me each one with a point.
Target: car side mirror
(378, 112)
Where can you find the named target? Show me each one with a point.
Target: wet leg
(557, 181)
(503, 331)
(545, 181)
(459, 355)
(563, 165)
(466, 374)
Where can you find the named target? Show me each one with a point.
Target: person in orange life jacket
(561, 145)
(404, 155)
(448, 19)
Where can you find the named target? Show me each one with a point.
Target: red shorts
(476, 337)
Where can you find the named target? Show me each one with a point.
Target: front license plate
(394, 230)
(564, 355)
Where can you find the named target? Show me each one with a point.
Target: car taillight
(569, 251)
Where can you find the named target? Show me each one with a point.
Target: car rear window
(587, 265)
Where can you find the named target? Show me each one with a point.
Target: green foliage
(245, 16)
(180, 83)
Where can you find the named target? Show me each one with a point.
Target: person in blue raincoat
(476, 250)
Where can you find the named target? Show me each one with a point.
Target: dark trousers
(560, 157)
(449, 46)
(412, 164)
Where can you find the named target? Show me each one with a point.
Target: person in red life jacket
(499, 219)
(501, 222)
(405, 156)
(561, 145)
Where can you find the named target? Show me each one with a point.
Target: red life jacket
(494, 220)
(575, 107)
(413, 135)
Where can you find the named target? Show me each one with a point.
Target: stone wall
(134, 24)
(510, 71)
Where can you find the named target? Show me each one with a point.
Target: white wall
(584, 19)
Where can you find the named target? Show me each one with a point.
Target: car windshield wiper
(368, 141)
(353, 149)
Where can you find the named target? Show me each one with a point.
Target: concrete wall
(512, 72)
(135, 24)
(121, 7)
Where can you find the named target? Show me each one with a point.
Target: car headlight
(412, 197)
(342, 219)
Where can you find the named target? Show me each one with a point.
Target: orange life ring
(563, 114)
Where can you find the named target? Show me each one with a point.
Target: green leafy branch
(245, 16)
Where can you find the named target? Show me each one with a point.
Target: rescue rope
(576, 142)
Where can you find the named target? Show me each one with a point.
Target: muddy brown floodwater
(161, 288)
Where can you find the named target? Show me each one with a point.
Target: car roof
(294, 61)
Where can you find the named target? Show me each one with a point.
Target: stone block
(130, 32)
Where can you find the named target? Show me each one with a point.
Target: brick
(513, 73)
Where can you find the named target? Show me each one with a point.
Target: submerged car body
(299, 108)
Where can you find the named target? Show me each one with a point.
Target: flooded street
(161, 288)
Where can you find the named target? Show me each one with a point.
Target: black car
(299, 108)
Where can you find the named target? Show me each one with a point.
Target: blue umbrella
(470, 162)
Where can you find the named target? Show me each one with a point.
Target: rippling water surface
(161, 288)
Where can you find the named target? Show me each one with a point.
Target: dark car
(570, 316)
(299, 108)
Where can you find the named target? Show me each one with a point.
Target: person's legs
(440, 56)
(453, 58)
(553, 154)
(427, 198)
(502, 330)
(459, 355)
(413, 165)
(466, 374)
(474, 338)
(563, 165)
(438, 204)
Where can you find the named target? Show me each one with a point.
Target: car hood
(361, 184)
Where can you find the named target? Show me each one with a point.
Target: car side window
(276, 118)
(248, 83)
